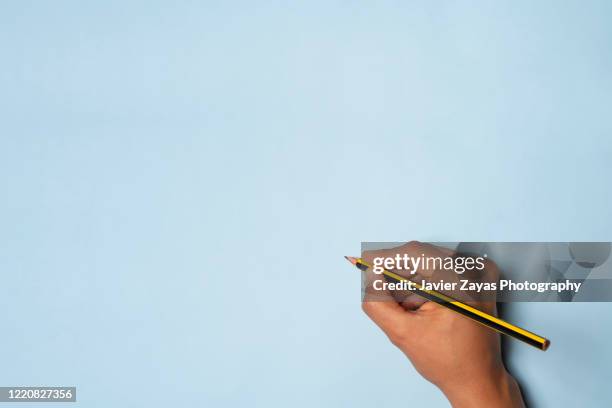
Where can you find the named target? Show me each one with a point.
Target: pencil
(479, 316)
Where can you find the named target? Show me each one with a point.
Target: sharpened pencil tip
(351, 260)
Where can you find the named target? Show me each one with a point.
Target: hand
(460, 356)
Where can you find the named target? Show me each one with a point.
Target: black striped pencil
(479, 316)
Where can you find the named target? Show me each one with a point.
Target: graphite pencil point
(351, 259)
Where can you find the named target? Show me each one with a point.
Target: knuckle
(412, 246)
(492, 270)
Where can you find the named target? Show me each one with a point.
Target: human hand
(460, 356)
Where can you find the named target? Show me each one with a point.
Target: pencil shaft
(464, 309)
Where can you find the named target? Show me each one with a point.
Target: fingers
(406, 299)
(412, 250)
(433, 264)
(391, 318)
(413, 302)
(380, 304)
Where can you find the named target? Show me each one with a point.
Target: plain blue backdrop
(166, 167)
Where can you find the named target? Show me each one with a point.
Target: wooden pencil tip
(351, 260)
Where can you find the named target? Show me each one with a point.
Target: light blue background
(151, 152)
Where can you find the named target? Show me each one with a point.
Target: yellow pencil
(477, 315)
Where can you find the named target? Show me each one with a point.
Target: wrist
(498, 389)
